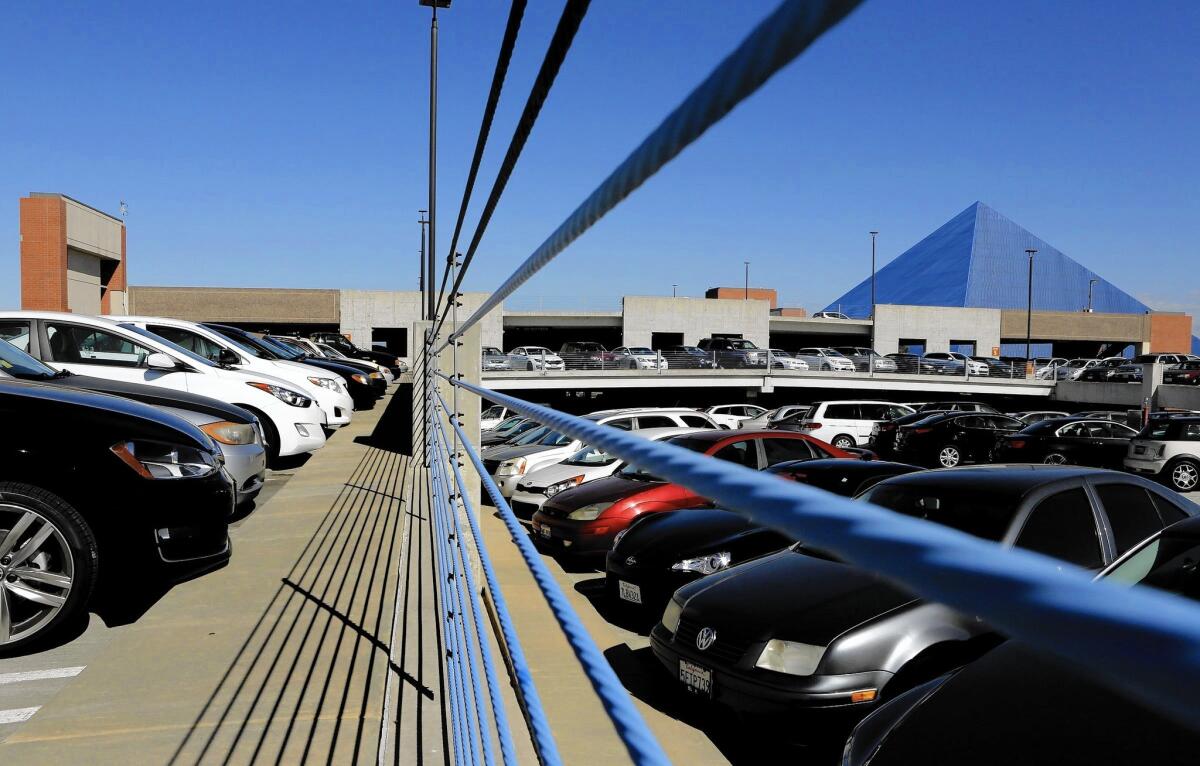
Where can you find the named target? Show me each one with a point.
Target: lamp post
(1091, 284)
(1029, 307)
(433, 73)
(873, 235)
(421, 263)
(673, 290)
(747, 293)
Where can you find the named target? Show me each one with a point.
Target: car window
(736, 411)
(1062, 526)
(971, 421)
(742, 453)
(623, 424)
(874, 411)
(1190, 432)
(897, 412)
(492, 412)
(16, 333)
(1122, 431)
(842, 411)
(1075, 429)
(193, 342)
(782, 450)
(695, 421)
(655, 421)
(87, 345)
(753, 410)
(1131, 514)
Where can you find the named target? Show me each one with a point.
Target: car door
(88, 350)
(1112, 444)
(1133, 514)
(1064, 526)
(975, 435)
(870, 415)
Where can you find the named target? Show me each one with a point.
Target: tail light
(887, 426)
(810, 426)
(1017, 443)
(922, 430)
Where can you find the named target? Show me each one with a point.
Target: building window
(660, 340)
(393, 340)
(912, 346)
(966, 347)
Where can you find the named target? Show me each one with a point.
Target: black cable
(564, 35)
(515, 14)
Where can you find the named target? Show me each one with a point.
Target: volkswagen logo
(631, 561)
(705, 638)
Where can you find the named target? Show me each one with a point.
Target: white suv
(826, 359)
(292, 422)
(849, 423)
(1168, 448)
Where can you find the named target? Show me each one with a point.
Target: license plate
(629, 592)
(544, 531)
(696, 679)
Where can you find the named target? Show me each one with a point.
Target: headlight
(358, 377)
(286, 395)
(705, 565)
(329, 383)
(559, 486)
(670, 618)
(589, 512)
(790, 657)
(375, 376)
(514, 467)
(156, 460)
(230, 433)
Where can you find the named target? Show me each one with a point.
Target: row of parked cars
(803, 646)
(140, 438)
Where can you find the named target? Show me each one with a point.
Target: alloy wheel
(843, 442)
(949, 457)
(37, 569)
(1185, 477)
(1055, 458)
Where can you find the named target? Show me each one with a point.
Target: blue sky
(283, 143)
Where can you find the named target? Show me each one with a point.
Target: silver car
(494, 360)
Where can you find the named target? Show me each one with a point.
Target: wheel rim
(842, 442)
(37, 571)
(1055, 458)
(1185, 476)
(948, 457)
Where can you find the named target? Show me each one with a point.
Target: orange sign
(995, 351)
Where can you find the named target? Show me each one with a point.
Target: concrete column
(1152, 378)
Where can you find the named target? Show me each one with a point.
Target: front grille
(727, 649)
(491, 465)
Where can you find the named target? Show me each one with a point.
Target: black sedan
(688, 358)
(661, 552)
(1184, 374)
(1077, 441)
(883, 434)
(343, 344)
(954, 438)
(1102, 371)
(89, 481)
(1020, 705)
(800, 630)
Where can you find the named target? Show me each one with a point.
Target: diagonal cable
(564, 35)
(515, 14)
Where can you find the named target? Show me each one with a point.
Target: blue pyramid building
(977, 259)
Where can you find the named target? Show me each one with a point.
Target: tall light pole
(421, 263)
(673, 290)
(1091, 284)
(873, 235)
(433, 73)
(747, 294)
(1029, 307)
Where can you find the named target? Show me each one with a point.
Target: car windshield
(641, 351)
(779, 352)
(173, 346)
(17, 363)
(741, 344)
(590, 456)
(532, 436)
(986, 515)
(492, 351)
(554, 439)
(248, 343)
(282, 349)
(509, 424)
(1144, 359)
(1075, 363)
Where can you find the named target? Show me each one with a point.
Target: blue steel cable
(774, 43)
(467, 614)
(631, 728)
(1139, 641)
(507, 749)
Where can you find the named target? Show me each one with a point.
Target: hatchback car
(953, 438)
(1074, 441)
(800, 630)
(1169, 450)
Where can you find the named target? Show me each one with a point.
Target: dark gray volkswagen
(800, 629)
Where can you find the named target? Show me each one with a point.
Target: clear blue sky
(283, 143)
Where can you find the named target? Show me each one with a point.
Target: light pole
(433, 73)
(747, 294)
(421, 263)
(1091, 284)
(873, 235)
(673, 290)
(1029, 307)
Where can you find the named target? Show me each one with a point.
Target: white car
(974, 366)
(332, 354)
(771, 417)
(535, 358)
(783, 360)
(1074, 368)
(826, 359)
(849, 423)
(292, 422)
(733, 415)
(639, 358)
(829, 315)
(1169, 449)
(584, 465)
(315, 383)
(1046, 367)
(494, 415)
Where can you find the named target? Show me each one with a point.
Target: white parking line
(37, 675)
(17, 715)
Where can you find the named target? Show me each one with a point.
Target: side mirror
(161, 361)
(227, 358)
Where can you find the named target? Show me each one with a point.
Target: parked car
(733, 415)
(1116, 416)
(1104, 370)
(689, 358)
(1004, 368)
(1131, 371)
(586, 464)
(494, 360)
(770, 418)
(292, 423)
(825, 359)
(364, 383)
(99, 483)
(1016, 701)
(509, 433)
(849, 423)
(535, 358)
(883, 434)
(1046, 367)
(829, 315)
(867, 359)
(959, 361)
(587, 355)
(1169, 450)
(1074, 368)
(958, 406)
(921, 365)
(333, 354)
(639, 358)
(1074, 441)
(237, 432)
(799, 631)
(954, 438)
(733, 352)
(1036, 416)
(585, 520)
(494, 415)
(783, 360)
(1183, 374)
(325, 389)
(343, 344)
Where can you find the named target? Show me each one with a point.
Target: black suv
(734, 352)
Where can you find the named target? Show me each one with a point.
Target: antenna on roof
(124, 211)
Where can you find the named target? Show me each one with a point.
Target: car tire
(1056, 458)
(1183, 475)
(529, 366)
(69, 551)
(949, 456)
(844, 441)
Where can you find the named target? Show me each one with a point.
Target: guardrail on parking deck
(1139, 641)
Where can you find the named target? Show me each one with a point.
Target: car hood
(552, 474)
(791, 596)
(608, 489)
(517, 450)
(667, 537)
(157, 396)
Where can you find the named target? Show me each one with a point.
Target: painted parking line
(38, 675)
(17, 715)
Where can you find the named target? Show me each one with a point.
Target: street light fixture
(873, 235)
(1091, 284)
(673, 290)
(433, 72)
(747, 294)
(1029, 307)
(421, 280)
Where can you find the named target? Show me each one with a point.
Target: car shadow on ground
(614, 613)
(64, 634)
(737, 737)
(290, 462)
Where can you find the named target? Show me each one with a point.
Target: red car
(586, 519)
